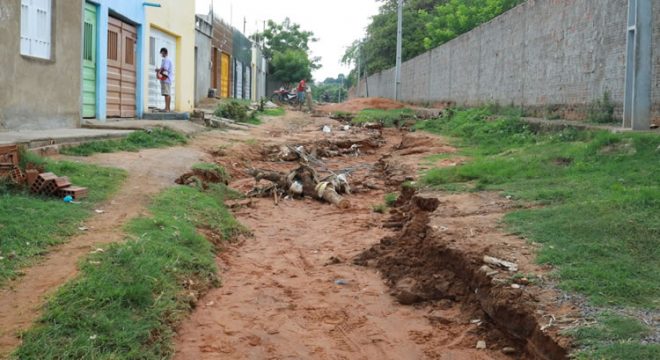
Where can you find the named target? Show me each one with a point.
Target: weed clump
(601, 111)
(233, 110)
(147, 139)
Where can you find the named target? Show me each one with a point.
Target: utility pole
(244, 24)
(359, 74)
(399, 40)
(639, 65)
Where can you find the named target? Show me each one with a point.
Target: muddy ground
(315, 281)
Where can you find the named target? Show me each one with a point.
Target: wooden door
(122, 69)
(224, 80)
(89, 62)
(128, 71)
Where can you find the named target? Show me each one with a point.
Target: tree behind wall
(286, 45)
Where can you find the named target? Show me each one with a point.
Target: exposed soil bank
(438, 255)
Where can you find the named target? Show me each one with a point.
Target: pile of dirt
(423, 264)
(359, 104)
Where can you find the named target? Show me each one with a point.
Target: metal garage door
(158, 40)
(238, 90)
(122, 40)
(248, 83)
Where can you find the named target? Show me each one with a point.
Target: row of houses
(62, 61)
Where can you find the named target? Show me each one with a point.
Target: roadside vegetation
(240, 111)
(599, 209)
(32, 223)
(154, 138)
(129, 297)
(389, 118)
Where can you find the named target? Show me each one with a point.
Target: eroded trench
(433, 257)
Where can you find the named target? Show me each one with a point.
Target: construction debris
(45, 183)
(302, 181)
(501, 263)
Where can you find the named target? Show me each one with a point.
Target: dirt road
(292, 292)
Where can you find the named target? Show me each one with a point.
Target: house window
(36, 28)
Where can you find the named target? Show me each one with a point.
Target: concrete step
(166, 116)
(58, 137)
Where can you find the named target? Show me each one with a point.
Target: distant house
(112, 60)
(242, 54)
(171, 26)
(259, 70)
(40, 77)
(203, 57)
(222, 70)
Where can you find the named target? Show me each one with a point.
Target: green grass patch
(390, 198)
(389, 118)
(379, 208)
(128, 299)
(273, 112)
(31, 224)
(155, 138)
(600, 219)
(615, 337)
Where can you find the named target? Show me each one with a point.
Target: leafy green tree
(426, 24)
(456, 17)
(379, 47)
(283, 37)
(291, 66)
(286, 41)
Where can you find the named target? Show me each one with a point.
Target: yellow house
(171, 26)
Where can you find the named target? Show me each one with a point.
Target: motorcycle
(283, 95)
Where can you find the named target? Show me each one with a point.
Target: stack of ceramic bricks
(9, 164)
(51, 184)
(44, 183)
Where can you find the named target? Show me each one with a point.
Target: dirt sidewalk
(149, 171)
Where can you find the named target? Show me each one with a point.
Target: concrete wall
(131, 12)
(540, 54)
(203, 61)
(259, 68)
(37, 93)
(176, 18)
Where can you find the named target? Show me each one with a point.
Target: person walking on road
(164, 73)
(301, 93)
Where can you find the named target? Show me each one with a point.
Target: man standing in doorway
(164, 74)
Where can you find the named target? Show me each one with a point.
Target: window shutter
(26, 31)
(36, 28)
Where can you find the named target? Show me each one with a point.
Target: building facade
(40, 62)
(171, 26)
(203, 60)
(113, 34)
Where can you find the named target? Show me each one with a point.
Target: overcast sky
(336, 23)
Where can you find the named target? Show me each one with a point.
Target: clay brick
(31, 175)
(62, 182)
(9, 154)
(76, 192)
(41, 181)
(17, 175)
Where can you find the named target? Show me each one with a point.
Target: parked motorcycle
(284, 96)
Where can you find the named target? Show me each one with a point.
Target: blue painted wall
(131, 11)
